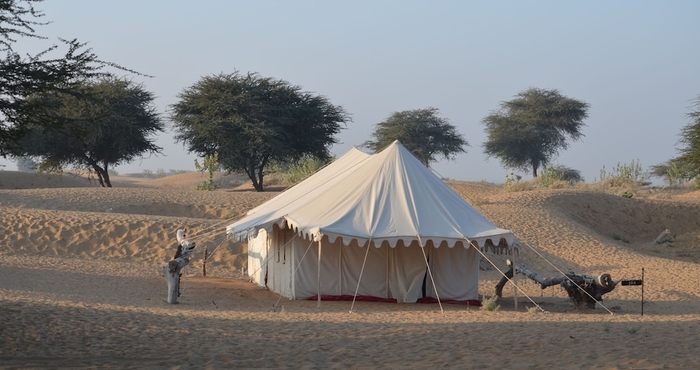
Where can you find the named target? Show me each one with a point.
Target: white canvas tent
(379, 225)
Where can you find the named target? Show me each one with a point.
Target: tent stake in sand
(185, 249)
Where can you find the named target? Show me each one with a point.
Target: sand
(81, 285)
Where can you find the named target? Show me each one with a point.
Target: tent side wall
(398, 273)
(341, 267)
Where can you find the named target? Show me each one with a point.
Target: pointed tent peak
(387, 196)
(393, 144)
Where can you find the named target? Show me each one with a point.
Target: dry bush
(520, 186)
(561, 184)
(275, 179)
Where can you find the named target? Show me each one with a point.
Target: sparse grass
(478, 200)
(275, 179)
(661, 195)
(560, 185)
(533, 310)
(619, 237)
(232, 214)
(519, 186)
(490, 304)
(633, 329)
(208, 186)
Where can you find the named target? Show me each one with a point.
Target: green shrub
(490, 304)
(625, 174)
(513, 183)
(619, 237)
(209, 164)
(176, 172)
(553, 176)
(512, 179)
(305, 167)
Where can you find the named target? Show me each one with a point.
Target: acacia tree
(250, 120)
(24, 76)
(99, 124)
(422, 132)
(672, 171)
(689, 158)
(529, 131)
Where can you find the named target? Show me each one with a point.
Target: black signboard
(631, 282)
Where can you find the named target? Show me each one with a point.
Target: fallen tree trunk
(584, 290)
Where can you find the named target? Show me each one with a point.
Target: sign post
(639, 282)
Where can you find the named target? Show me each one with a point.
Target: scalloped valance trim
(497, 244)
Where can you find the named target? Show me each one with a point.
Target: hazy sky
(637, 63)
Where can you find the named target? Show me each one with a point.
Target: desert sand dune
(81, 285)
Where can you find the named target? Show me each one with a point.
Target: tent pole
(427, 265)
(364, 262)
(515, 288)
(318, 277)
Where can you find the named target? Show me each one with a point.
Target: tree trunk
(172, 276)
(253, 176)
(507, 276)
(105, 175)
(102, 175)
(99, 178)
(257, 185)
(98, 174)
(260, 179)
(181, 259)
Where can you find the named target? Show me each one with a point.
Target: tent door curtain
(258, 248)
(455, 272)
(279, 272)
(270, 260)
(407, 270)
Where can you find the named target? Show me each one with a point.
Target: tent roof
(385, 197)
